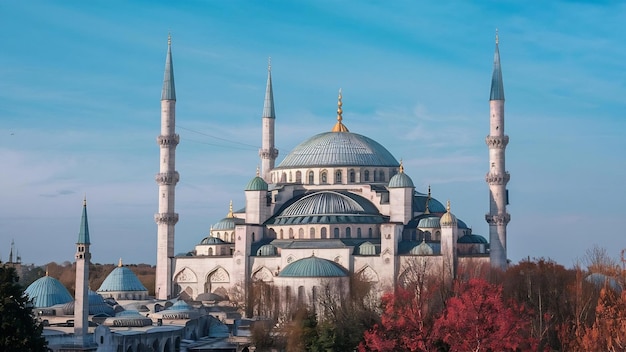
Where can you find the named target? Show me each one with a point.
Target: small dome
(401, 180)
(121, 279)
(267, 250)
(448, 219)
(313, 267)
(48, 291)
(128, 318)
(429, 222)
(422, 249)
(212, 240)
(180, 305)
(472, 239)
(97, 305)
(257, 184)
(600, 280)
(227, 223)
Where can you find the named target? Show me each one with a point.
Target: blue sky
(80, 86)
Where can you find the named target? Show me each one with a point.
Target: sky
(80, 85)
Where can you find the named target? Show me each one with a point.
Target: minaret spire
(497, 176)
(268, 151)
(83, 256)
(167, 178)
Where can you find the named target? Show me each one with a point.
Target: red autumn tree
(402, 326)
(478, 319)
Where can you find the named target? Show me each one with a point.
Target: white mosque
(339, 204)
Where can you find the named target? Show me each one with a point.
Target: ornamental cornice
(166, 218)
(498, 219)
(171, 140)
(167, 178)
(497, 142)
(271, 153)
(497, 179)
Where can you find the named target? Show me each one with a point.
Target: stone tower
(167, 178)
(268, 151)
(497, 177)
(81, 303)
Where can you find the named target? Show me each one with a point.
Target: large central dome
(338, 149)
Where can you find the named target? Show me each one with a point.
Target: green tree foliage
(18, 329)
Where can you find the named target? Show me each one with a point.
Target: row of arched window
(324, 233)
(326, 177)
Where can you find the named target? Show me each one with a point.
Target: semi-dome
(313, 267)
(267, 250)
(338, 149)
(48, 291)
(328, 207)
(121, 279)
(257, 184)
(472, 239)
(422, 249)
(429, 222)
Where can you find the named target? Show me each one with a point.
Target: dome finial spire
(401, 168)
(230, 210)
(258, 171)
(47, 272)
(119, 264)
(339, 126)
(427, 210)
(497, 39)
(448, 206)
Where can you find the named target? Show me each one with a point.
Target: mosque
(338, 205)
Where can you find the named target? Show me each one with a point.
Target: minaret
(268, 151)
(167, 178)
(497, 177)
(81, 301)
(449, 238)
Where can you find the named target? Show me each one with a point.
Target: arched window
(312, 232)
(358, 232)
(323, 233)
(301, 295)
(284, 177)
(210, 251)
(281, 234)
(336, 232)
(338, 176)
(369, 232)
(290, 177)
(382, 176)
(348, 232)
(311, 177)
(232, 237)
(324, 177)
(298, 177)
(252, 236)
(301, 233)
(352, 176)
(290, 233)
(366, 175)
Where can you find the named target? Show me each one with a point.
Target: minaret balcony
(167, 178)
(271, 153)
(497, 142)
(498, 219)
(167, 141)
(498, 179)
(166, 218)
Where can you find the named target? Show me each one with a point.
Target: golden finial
(448, 206)
(401, 168)
(269, 63)
(258, 172)
(497, 39)
(119, 264)
(230, 210)
(47, 272)
(169, 38)
(339, 126)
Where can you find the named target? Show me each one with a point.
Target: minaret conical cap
(83, 233)
(268, 105)
(169, 90)
(497, 86)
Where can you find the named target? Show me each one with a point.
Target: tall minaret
(167, 178)
(81, 301)
(497, 177)
(268, 152)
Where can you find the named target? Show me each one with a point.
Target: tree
(478, 319)
(18, 329)
(403, 326)
(608, 332)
